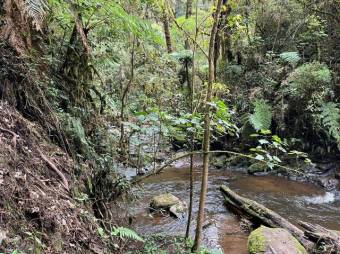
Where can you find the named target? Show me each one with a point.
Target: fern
(330, 118)
(291, 57)
(262, 116)
(36, 10)
(124, 233)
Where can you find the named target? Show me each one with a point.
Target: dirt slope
(37, 212)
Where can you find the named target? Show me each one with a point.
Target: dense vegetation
(126, 83)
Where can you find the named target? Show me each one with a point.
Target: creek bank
(325, 175)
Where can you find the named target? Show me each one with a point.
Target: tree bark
(192, 91)
(167, 34)
(259, 214)
(123, 142)
(321, 235)
(206, 138)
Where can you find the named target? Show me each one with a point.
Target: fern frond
(262, 116)
(36, 10)
(126, 233)
(330, 118)
(290, 57)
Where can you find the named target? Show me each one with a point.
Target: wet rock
(236, 160)
(273, 240)
(258, 167)
(219, 161)
(328, 183)
(141, 171)
(164, 201)
(337, 174)
(179, 210)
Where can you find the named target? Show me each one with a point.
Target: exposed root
(14, 139)
(55, 169)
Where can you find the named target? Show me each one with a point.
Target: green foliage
(290, 57)
(310, 81)
(126, 233)
(262, 116)
(269, 147)
(330, 118)
(36, 10)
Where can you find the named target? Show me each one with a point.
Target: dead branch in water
(319, 234)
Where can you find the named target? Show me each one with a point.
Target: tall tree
(191, 90)
(206, 138)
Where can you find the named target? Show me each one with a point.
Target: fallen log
(259, 214)
(321, 235)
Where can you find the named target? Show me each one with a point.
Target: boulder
(179, 210)
(258, 167)
(219, 161)
(164, 201)
(273, 241)
(328, 183)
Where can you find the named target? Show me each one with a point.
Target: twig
(188, 35)
(55, 169)
(14, 139)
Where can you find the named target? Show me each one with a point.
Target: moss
(336, 232)
(299, 247)
(257, 241)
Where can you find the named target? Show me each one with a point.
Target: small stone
(179, 210)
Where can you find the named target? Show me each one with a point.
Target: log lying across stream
(259, 214)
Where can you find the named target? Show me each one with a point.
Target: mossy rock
(257, 168)
(273, 240)
(164, 201)
(237, 160)
(219, 161)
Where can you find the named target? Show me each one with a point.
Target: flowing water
(293, 200)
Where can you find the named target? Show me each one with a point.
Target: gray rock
(179, 210)
(328, 183)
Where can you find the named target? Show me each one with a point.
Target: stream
(291, 199)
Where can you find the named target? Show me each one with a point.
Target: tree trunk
(188, 15)
(206, 139)
(167, 33)
(322, 236)
(192, 141)
(123, 141)
(259, 215)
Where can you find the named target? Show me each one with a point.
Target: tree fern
(36, 10)
(262, 116)
(330, 118)
(290, 57)
(126, 233)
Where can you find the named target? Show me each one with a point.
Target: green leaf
(259, 157)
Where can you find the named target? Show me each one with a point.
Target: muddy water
(293, 200)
